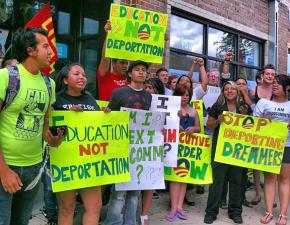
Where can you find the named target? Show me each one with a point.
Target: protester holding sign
(73, 97)
(131, 96)
(242, 84)
(262, 90)
(278, 108)
(229, 100)
(109, 80)
(152, 86)
(189, 123)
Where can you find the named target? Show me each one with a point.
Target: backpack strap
(48, 85)
(13, 86)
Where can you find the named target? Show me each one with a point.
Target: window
(90, 17)
(220, 42)
(249, 52)
(63, 23)
(195, 37)
(186, 35)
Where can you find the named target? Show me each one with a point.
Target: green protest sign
(194, 160)
(94, 152)
(250, 142)
(136, 34)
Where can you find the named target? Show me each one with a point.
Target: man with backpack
(25, 98)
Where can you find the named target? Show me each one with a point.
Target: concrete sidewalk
(159, 209)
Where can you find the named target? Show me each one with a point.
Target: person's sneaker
(209, 219)
(237, 219)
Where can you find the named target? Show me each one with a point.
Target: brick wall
(283, 38)
(252, 13)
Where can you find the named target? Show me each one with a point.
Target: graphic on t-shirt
(120, 83)
(28, 123)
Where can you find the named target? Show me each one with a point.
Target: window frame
(238, 35)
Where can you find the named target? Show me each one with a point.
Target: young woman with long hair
(278, 108)
(229, 100)
(189, 123)
(71, 95)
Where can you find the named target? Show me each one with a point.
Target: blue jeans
(116, 214)
(50, 202)
(16, 209)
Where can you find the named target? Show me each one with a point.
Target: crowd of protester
(127, 84)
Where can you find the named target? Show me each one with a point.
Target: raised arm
(104, 66)
(202, 73)
(191, 70)
(226, 66)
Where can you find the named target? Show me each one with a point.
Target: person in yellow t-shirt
(23, 126)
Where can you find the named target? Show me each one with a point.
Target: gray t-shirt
(129, 98)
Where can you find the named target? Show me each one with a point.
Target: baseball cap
(137, 63)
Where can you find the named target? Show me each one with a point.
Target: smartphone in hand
(63, 130)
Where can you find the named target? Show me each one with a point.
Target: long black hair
(284, 81)
(23, 39)
(60, 86)
(157, 85)
(178, 81)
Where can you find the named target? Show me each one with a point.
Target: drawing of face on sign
(29, 119)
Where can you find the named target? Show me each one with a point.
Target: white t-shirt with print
(279, 111)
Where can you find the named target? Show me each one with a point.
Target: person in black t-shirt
(131, 96)
(71, 83)
(229, 100)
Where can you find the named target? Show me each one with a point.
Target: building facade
(256, 31)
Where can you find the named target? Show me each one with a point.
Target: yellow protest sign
(251, 142)
(198, 106)
(136, 34)
(194, 160)
(94, 152)
(102, 104)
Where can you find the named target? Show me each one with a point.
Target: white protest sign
(210, 97)
(146, 151)
(170, 105)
